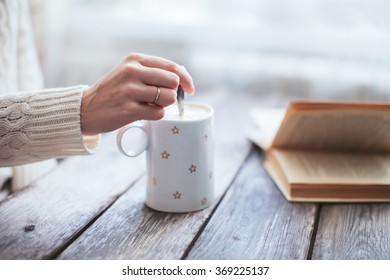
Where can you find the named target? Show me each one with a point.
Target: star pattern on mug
(205, 137)
(165, 154)
(175, 130)
(192, 169)
(177, 195)
(211, 174)
(204, 201)
(154, 181)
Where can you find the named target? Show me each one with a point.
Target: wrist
(84, 122)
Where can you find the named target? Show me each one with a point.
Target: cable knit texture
(35, 123)
(41, 125)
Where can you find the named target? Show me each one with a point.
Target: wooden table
(92, 207)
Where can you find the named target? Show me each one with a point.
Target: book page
(345, 129)
(311, 167)
(267, 121)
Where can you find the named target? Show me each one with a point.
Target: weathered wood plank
(254, 221)
(353, 231)
(38, 221)
(129, 230)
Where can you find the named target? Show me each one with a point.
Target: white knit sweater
(35, 123)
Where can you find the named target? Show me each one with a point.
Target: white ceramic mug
(180, 158)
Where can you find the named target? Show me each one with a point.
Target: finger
(157, 62)
(187, 84)
(151, 111)
(160, 78)
(150, 94)
(158, 95)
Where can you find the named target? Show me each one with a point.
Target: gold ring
(157, 95)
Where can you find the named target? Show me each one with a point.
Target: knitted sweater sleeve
(43, 124)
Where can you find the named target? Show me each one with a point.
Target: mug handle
(138, 134)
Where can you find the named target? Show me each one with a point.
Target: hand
(126, 93)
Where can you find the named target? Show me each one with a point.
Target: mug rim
(209, 114)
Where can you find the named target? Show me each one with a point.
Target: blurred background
(323, 49)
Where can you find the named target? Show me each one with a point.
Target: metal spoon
(180, 100)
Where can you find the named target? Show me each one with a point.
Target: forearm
(40, 125)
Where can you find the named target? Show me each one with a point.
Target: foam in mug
(179, 158)
(192, 112)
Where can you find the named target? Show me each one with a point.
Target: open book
(327, 151)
